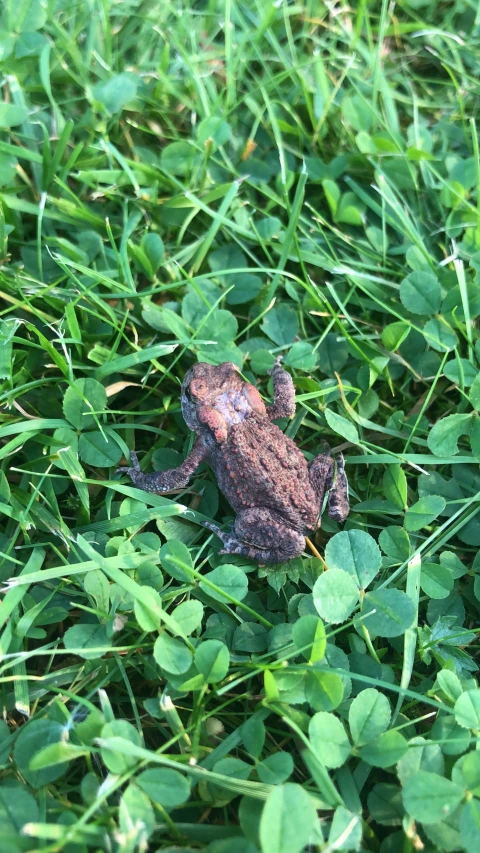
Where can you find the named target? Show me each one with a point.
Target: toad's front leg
(283, 405)
(166, 481)
(324, 478)
(261, 535)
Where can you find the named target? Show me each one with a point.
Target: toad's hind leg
(324, 478)
(261, 535)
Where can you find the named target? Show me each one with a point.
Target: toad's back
(259, 466)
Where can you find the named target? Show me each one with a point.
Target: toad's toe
(223, 535)
(134, 468)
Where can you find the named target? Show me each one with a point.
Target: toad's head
(215, 398)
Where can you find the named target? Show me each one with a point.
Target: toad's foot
(132, 470)
(338, 502)
(260, 535)
(147, 482)
(328, 476)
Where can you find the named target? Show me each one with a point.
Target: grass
(234, 181)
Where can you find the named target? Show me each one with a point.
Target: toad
(277, 496)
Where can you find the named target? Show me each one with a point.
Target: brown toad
(276, 494)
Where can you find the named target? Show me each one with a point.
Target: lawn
(236, 181)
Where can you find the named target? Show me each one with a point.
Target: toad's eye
(197, 388)
(187, 392)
